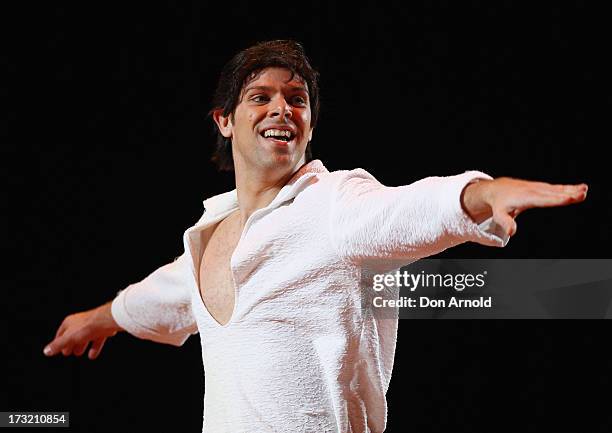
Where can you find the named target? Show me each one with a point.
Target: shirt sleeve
(371, 221)
(158, 308)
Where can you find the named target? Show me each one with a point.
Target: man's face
(271, 124)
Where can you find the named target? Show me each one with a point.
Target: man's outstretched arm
(394, 226)
(157, 308)
(505, 198)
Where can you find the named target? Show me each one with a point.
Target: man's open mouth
(278, 134)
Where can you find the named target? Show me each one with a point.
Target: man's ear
(310, 135)
(223, 123)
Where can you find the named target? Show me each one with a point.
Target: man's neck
(257, 188)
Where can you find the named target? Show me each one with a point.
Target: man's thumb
(505, 221)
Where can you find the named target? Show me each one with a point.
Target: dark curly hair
(242, 68)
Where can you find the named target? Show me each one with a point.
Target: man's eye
(259, 98)
(299, 100)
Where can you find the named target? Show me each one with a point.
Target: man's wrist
(107, 315)
(474, 200)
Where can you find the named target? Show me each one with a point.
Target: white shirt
(300, 352)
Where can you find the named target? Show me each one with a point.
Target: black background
(107, 161)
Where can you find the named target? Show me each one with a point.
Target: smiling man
(272, 276)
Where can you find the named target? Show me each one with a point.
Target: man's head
(270, 85)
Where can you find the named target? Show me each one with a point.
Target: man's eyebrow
(268, 88)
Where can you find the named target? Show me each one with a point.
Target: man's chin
(282, 161)
(279, 160)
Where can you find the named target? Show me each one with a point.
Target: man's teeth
(277, 133)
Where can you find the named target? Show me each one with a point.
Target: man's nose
(282, 109)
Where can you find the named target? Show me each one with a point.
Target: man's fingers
(573, 189)
(56, 346)
(61, 329)
(538, 195)
(569, 190)
(48, 350)
(63, 344)
(551, 199)
(80, 349)
(96, 348)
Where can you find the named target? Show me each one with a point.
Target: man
(271, 276)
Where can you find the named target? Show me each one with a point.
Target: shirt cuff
(122, 317)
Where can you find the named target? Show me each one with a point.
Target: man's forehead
(271, 75)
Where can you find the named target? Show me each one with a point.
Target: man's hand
(504, 198)
(78, 330)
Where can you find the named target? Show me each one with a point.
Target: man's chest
(216, 284)
(276, 253)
